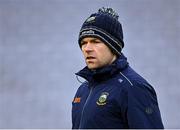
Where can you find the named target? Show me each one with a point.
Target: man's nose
(88, 47)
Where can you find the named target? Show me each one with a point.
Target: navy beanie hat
(104, 25)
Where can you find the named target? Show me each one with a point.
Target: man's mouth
(90, 58)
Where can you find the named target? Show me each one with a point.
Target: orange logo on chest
(77, 100)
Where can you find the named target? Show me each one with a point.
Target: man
(114, 95)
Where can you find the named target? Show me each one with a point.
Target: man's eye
(96, 41)
(82, 43)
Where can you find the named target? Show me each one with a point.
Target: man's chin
(92, 67)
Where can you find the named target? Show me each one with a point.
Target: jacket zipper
(85, 105)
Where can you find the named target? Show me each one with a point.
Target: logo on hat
(91, 19)
(87, 32)
(102, 99)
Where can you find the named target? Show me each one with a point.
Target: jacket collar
(105, 72)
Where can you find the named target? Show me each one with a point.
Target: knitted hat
(104, 25)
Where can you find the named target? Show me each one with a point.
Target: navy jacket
(115, 97)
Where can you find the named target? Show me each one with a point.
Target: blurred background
(39, 55)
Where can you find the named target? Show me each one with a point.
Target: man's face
(96, 53)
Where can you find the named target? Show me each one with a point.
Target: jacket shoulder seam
(129, 81)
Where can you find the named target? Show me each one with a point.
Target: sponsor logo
(87, 32)
(120, 80)
(77, 100)
(148, 110)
